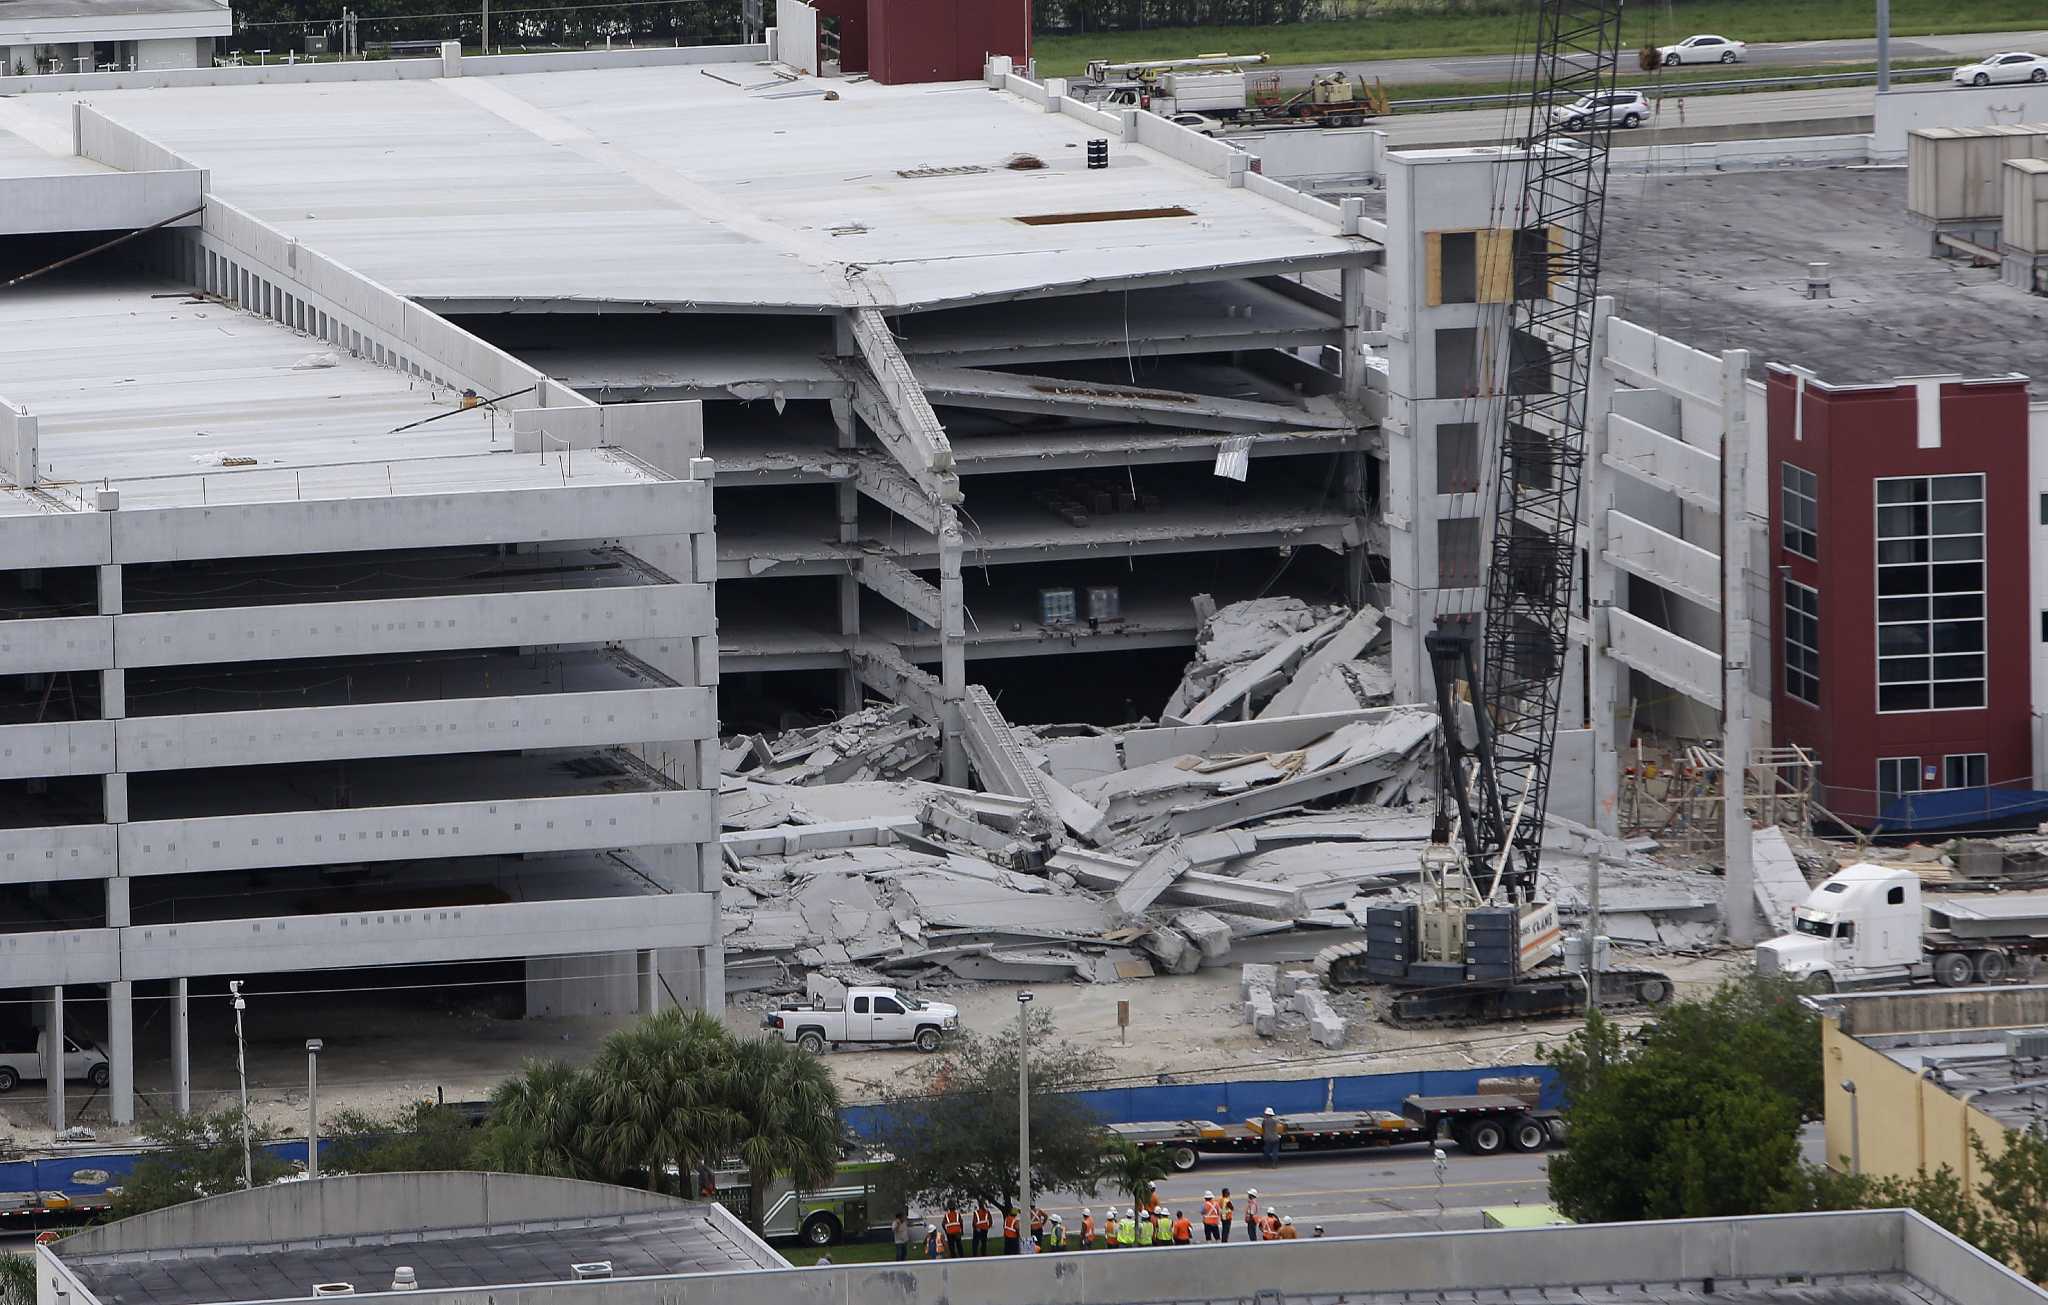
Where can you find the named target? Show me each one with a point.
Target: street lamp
(242, 1074)
(1024, 1121)
(313, 1107)
(1855, 1129)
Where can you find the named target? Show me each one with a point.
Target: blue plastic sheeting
(86, 1176)
(1959, 808)
(1242, 1099)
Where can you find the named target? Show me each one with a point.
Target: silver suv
(1616, 108)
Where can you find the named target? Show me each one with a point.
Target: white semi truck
(1867, 927)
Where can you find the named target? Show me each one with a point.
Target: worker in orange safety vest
(1212, 1217)
(982, 1219)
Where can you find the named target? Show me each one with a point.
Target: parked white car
(1620, 108)
(1200, 122)
(21, 1060)
(1702, 49)
(2016, 66)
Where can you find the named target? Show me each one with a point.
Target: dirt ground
(380, 1055)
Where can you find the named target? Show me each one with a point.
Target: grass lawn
(1403, 31)
(1673, 81)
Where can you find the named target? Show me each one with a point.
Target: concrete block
(1260, 1013)
(1326, 1028)
(1255, 975)
(1307, 997)
(1206, 932)
(1292, 979)
(1175, 954)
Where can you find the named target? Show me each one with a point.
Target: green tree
(658, 1097)
(952, 1125)
(1663, 1135)
(1133, 1169)
(787, 1109)
(17, 1279)
(539, 1123)
(200, 1155)
(1757, 1022)
(2013, 1223)
(420, 1137)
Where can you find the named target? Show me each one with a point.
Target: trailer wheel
(1184, 1158)
(1954, 970)
(1484, 1137)
(820, 1229)
(812, 1041)
(1526, 1134)
(9, 1080)
(1991, 967)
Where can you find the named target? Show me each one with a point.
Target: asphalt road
(1963, 48)
(1478, 125)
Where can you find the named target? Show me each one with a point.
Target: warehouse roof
(711, 185)
(176, 400)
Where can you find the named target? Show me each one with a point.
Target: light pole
(1024, 1122)
(1855, 1129)
(242, 1074)
(313, 1107)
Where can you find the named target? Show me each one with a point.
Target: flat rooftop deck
(1720, 261)
(681, 1241)
(704, 186)
(141, 386)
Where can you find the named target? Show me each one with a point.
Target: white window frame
(1983, 760)
(1808, 494)
(1912, 772)
(1811, 612)
(1930, 593)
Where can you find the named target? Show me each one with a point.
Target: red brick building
(1903, 633)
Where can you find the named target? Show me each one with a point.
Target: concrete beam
(789, 840)
(884, 670)
(1057, 396)
(1656, 459)
(1679, 663)
(1268, 798)
(1664, 559)
(901, 587)
(1144, 885)
(897, 490)
(1193, 888)
(999, 760)
(901, 390)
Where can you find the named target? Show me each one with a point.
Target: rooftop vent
(402, 1279)
(1819, 281)
(2026, 1043)
(334, 1289)
(594, 1269)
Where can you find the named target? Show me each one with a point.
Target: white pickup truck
(864, 1017)
(21, 1060)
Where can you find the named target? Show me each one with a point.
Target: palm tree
(17, 1278)
(540, 1121)
(788, 1109)
(1133, 1168)
(657, 1096)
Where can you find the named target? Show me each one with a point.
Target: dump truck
(1481, 1124)
(1867, 927)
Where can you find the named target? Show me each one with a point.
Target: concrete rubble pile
(1094, 853)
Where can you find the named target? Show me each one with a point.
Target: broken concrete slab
(1152, 877)
(1780, 885)
(1305, 995)
(1206, 932)
(945, 900)
(1244, 681)
(1194, 888)
(1256, 974)
(1289, 980)
(1083, 819)
(1175, 954)
(1000, 761)
(1343, 645)
(1075, 760)
(1326, 1028)
(1260, 1013)
(788, 840)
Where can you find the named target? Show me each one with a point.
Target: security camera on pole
(242, 1074)
(1024, 1243)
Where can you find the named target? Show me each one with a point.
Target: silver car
(1608, 108)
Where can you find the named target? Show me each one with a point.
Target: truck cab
(1862, 925)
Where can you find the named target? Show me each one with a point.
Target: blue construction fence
(84, 1177)
(1243, 1098)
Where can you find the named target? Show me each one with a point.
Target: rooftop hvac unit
(2026, 1043)
(403, 1279)
(334, 1289)
(594, 1269)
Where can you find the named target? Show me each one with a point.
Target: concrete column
(952, 651)
(849, 525)
(181, 1047)
(53, 1056)
(117, 903)
(711, 978)
(121, 1048)
(649, 971)
(1351, 292)
(116, 789)
(1607, 679)
(1738, 887)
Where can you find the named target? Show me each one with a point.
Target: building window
(1457, 457)
(1460, 267)
(1930, 593)
(1965, 770)
(1802, 642)
(1799, 507)
(1457, 552)
(1897, 776)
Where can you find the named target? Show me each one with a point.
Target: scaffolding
(1679, 800)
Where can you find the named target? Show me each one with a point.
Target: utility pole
(242, 1074)
(1884, 46)
(1593, 966)
(313, 1107)
(486, 42)
(1024, 1123)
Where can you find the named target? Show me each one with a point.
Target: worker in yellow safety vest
(1126, 1231)
(1143, 1223)
(1162, 1227)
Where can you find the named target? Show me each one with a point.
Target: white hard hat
(1057, 1219)
(1208, 1196)
(1251, 1191)
(1288, 1219)
(1084, 1209)
(1269, 1110)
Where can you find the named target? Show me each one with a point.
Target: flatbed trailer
(1482, 1125)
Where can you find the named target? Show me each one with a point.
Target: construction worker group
(1147, 1224)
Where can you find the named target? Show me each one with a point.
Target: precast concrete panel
(84, 747)
(56, 643)
(49, 538)
(397, 625)
(442, 829)
(412, 521)
(278, 944)
(407, 729)
(51, 853)
(59, 956)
